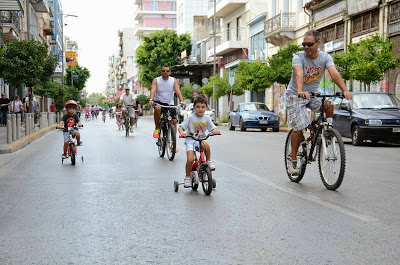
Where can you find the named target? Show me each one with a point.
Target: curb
(281, 129)
(22, 142)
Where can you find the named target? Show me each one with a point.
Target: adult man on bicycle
(308, 69)
(128, 99)
(162, 93)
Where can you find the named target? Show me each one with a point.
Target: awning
(10, 5)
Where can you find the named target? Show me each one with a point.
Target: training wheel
(82, 158)
(176, 186)
(214, 183)
(62, 161)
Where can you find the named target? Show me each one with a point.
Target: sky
(96, 32)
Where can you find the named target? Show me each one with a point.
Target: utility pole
(215, 55)
(28, 38)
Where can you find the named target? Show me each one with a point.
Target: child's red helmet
(71, 102)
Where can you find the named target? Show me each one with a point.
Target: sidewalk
(23, 141)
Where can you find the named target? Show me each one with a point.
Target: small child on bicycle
(118, 112)
(197, 123)
(69, 120)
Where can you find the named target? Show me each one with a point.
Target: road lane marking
(305, 196)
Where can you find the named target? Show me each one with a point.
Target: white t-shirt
(16, 105)
(194, 124)
(128, 100)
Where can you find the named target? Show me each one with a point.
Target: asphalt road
(119, 207)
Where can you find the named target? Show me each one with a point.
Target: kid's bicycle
(200, 170)
(72, 151)
(327, 143)
(167, 136)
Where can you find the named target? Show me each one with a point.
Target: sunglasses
(165, 71)
(309, 44)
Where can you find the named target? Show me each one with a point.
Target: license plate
(263, 122)
(396, 129)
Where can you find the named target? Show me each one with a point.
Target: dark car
(369, 116)
(253, 115)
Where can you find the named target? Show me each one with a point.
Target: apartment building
(154, 15)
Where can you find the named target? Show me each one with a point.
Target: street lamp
(215, 51)
(62, 44)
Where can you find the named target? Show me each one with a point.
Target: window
(173, 22)
(238, 25)
(173, 6)
(368, 21)
(153, 5)
(332, 32)
(228, 37)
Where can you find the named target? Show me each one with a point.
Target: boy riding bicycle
(197, 123)
(70, 120)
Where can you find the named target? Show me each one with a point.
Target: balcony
(162, 8)
(224, 7)
(280, 28)
(229, 41)
(48, 28)
(145, 30)
(40, 6)
(11, 25)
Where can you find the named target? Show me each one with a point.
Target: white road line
(309, 197)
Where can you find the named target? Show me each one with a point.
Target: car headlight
(249, 118)
(373, 122)
(274, 118)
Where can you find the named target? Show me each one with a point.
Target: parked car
(369, 116)
(253, 115)
(189, 110)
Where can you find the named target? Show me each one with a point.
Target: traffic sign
(232, 78)
(195, 93)
(204, 80)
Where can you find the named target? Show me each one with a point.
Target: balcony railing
(11, 17)
(233, 34)
(158, 6)
(282, 21)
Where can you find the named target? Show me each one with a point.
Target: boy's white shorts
(191, 145)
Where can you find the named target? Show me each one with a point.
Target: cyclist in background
(128, 99)
(162, 93)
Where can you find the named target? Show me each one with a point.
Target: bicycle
(327, 143)
(200, 170)
(71, 150)
(87, 116)
(167, 135)
(119, 122)
(104, 117)
(127, 122)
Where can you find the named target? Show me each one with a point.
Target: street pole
(62, 51)
(215, 58)
(28, 38)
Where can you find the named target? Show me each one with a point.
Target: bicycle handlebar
(320, 95)
(168, 107)
(197, 138)
(67, 130)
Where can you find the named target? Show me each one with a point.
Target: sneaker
(155, 133)
(176, 148)
(64, 156)
(80, 143)
(131, 129)
(292, 167)
(187, 182)
(211, 164)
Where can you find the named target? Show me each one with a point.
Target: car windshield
(254, 107)
(375, 101)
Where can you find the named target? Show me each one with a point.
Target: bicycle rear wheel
(332, 159)
(206, 180)
(171, 142)
(161, 141)
(301, 154)
(72, 148)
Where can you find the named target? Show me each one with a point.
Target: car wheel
(275, 129)
(231, 127)
(242, 128)
(375, 141)
(263, 129)
(355, 136)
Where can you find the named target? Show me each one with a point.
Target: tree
(256, 76)
(368, 61)
(143, 99)
(26, 63)
(187, 91)
(281, 64)
(95, 98)
(160, 48)
(80, 75)
(222, 87)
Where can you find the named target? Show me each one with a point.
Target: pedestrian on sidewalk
(53, 107)
(16, 105)
(4, 109)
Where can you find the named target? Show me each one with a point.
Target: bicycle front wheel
(126, 127)
(332, 159)
(206, 180)
(301, 153)
(161, 141)
(72, 148)
(171, 142)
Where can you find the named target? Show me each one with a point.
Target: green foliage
(368, 61)
(160, 48)
(222, 87)
(281, 64)
(187, 91)
(255, 76)
(143, 99)
(95, 98)
(26, 62)
(48, 89)
(147, 107)
(83, 102)
(81, 75)
(224, 119)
